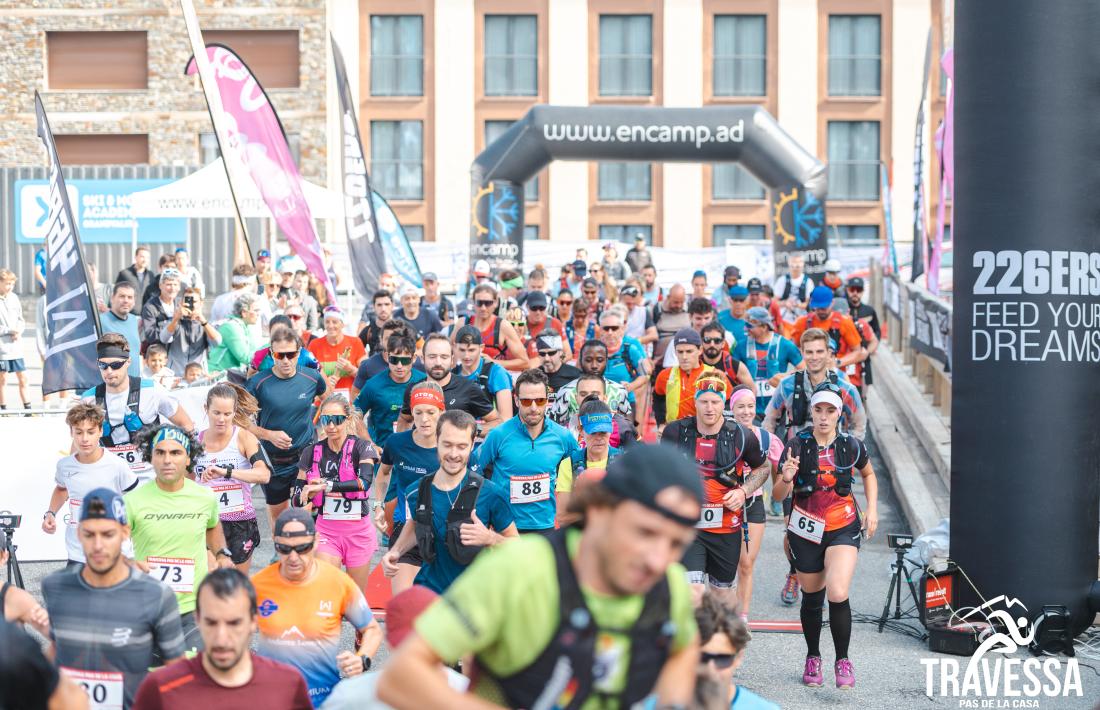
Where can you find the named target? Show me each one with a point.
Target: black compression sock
(840, 624)
(812, 603)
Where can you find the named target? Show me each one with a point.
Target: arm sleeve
(367, 458)
(305, 459)
(660, 406)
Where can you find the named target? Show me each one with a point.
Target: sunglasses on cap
(287, 549)
(116, 365)
(400, 359)
(288, 355)
(334, 419)
(709, 385)
(536, 402)
(721, 661)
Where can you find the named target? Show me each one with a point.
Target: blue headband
(171, 433)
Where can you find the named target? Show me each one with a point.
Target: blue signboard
(101, 209)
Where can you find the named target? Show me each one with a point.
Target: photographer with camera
(17, 605)
(178, 324)
(826, 525)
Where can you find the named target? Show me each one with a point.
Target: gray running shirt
(112, 630)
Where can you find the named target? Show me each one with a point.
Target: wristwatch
(224, 551)
(375, 504)
(328, 486)
(366, 663)
(49, 512)
(228, 470)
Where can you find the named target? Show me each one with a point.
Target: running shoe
(813, 676)
(845, 674)
(776, 510)
(789, 595)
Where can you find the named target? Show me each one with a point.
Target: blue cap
(263, 254)
(180, 250)
(108, 506)
(821, 297)
(597, 422)
(698, 273)
(738, 292)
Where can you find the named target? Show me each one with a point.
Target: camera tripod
(901, 575)
(15, 575)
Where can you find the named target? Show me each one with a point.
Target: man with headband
(454, 513)
(129, 402)
(174, 521)
(723, 451)
(595, 574)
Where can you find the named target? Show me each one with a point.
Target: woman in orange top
(338, 353)
(824, 529)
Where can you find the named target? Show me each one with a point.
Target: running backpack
(848, 449)
(801, 289)
(131, 420)
(800, 402)
(460, 513)
(729, 448)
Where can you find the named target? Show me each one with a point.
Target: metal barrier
(918, 328)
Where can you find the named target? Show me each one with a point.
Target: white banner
(36, 443)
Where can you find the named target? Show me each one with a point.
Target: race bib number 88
(530, 489)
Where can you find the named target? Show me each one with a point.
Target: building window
(97, 60)
(209, 150)
(855, 55)
(494, 130)
(947, 234)
(530, 232)
(396, 55)
(272, 55)
(511, 55)
(722, 233)
(626, 55)
(740, 55)
(397, 159)
(625, 182)
(103, 149)
(856, 234)
(732, 182)
(625, 233)
(853, 160)
(414, 232)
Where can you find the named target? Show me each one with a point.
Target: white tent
(205, 193)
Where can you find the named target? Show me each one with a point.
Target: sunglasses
(287, 549)
(401, 359)
(590, 293)
(721, 661)
(565, 301)
(288, 355)
(484, 304)
(536, 308)
(334, 419)
(294, 316)
(610, 328)
(116, 365)
(548, 353)
(537, 402)
(714, 341)
(853, 289)
(518, 323)
(716, 386)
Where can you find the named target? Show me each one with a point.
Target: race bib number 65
(806, 526)
(530, 489)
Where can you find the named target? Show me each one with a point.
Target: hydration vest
(801, 289)
(347, 470)
(847, 448)
(579, 460)
(565, 672)
(800, 401)
(459, 513)
(131, 420)
(729, 448)
(482, 378)
(490, 339)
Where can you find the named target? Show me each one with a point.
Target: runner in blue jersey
(408, 457)
(626, 358)
(768, 354)
(380, 399)
(523, 453)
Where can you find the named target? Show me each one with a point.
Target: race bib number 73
(177, 572)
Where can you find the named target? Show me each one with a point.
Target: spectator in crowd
(434, 301)
(156, 366)
(652, 293)
(423, 321)
(189, 275)
(40, 271)
(119, 318)
(193, 374)
(242, 281)
(612, 266)
(12, 326)
(166, 261)
(136, 274)
(310, 309)
(272, 285)
(638, 256)
(159, 311)
(182, 329)
(298, 316)
(241, 335)
(263, 268)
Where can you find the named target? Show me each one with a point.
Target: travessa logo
(1002, 681)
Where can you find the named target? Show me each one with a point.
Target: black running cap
(294, 515)
(645, 471)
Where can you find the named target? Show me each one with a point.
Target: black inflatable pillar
(1025, 410)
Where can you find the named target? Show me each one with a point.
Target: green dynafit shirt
(171, 529)
(505, 609)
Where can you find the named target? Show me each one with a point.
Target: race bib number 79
(342, 509)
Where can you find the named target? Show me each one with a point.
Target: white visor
(826, 397)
